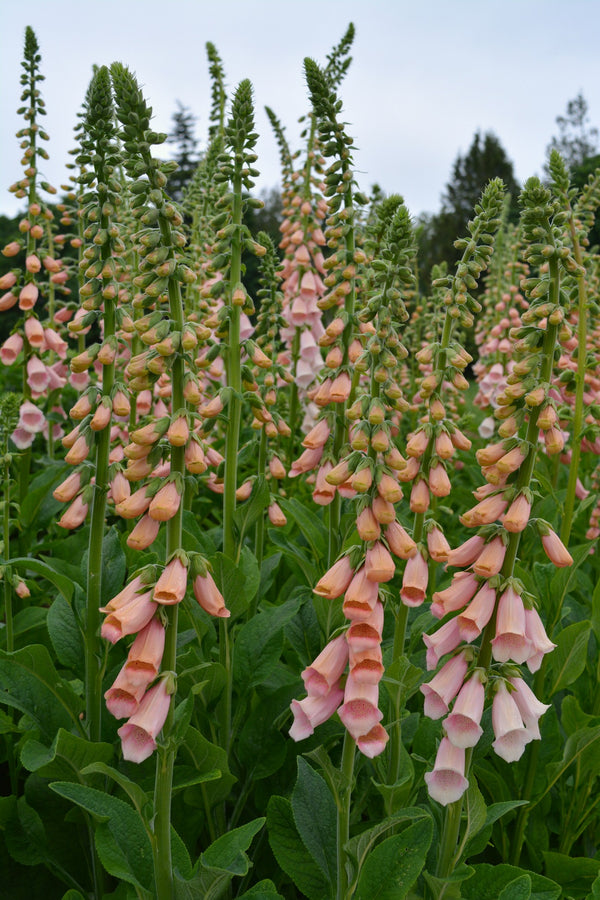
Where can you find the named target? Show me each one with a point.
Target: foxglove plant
(342, 267)
(488, 598)
(360, 573)
(160, 221)
(435, 441)
(22, 285)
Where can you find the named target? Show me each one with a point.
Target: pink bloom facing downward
(171, 586)
(129, 618)
(10, 349)
(336, 580)
(210, 597)
(74, 515)
(444, 687)
(145, 654)
(490, 560)
(313, 711)
(379, 564)
(444, 640)
(138, 735)
(143, 534)
(556, 550)
(414, 581)
(511, 734)
(511, 641)
(361, 596)
(462, 725)
(367, 665)
(437, 545)
(324, 673)
(123, 697)
(517, 515)
(529, 706)
(457, 595)
(467, 553)
(478, 613)
(366, 635)
(360, 712)
(399, 541)
(540, 642)
(373, 743)
(447, 782)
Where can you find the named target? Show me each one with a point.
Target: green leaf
(290, 852)
(227, 852)
(194, 537)
(66, 758)
(114, 565)
(394, 866)
(596, 889)
(476, 811)
(259, 643)
(38, 491)
(497, 810)
(136, 794)
(29, 682)
(519, 889)
(563, 579)
(268, 571)
(25, 836)
(575, 874)
(309, 523)
(315, 817)
(61, 582)
(596, 612)
(296, 557)
(247, 513)
(72, 894)
(261, 748)
(401, 680)
(568, 660)
(121, 839)
(450, 887)
(238, 583)
(359, 847)
(66, 636)
(264, 890)
(489, 880)
(582, 746)
(29, 627)
(206, 758)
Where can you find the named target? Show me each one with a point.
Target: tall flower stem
(582, 310)
(234, 376)
(8, 610)
(101, 132)
(343, 814)
(133, 111)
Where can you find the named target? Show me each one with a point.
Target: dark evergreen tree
(186, 156)
(576, 141)
(485, 159)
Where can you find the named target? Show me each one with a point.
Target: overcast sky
(425, 76)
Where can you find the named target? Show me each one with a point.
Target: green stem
(93, 660)
(567, 521)
(259, 537)
(8, 609)
(343, 814)
(234, 379)
(163, 869)
(294, 398)
(340, 434)
(396, 735)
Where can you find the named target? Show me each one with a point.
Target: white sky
(425, 75)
